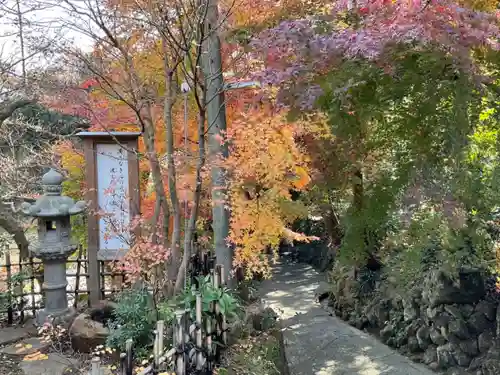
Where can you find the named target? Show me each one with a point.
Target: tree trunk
(189, 231)
(216, 116)
(10, 225)
(174, 259)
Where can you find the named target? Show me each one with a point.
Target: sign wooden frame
(129, 141)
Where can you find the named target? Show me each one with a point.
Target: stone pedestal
(54, 288)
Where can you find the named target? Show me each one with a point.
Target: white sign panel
(112, 200)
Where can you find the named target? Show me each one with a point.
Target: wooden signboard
(112, 177)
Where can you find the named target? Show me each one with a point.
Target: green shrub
(133, 319)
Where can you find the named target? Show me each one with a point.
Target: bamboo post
(96, 366)
(160, 327)
(123, 364)
(180, 365)
(130, 359)
(199, 343)
(156, 353)
(223, 318)
(209, 344)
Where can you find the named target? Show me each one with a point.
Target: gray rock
(462, 359)
(469, 347)
(430, 355)
(487, 308)
(476, 363)
(436, 337)
(86, 334)
(423, 337)
(410, 309)
(442, 320)
(466, 310)
(454, 311)
(441, 289)
(459, 328)
(433, 312)
(413, 346)
(386, 332)
(445, 358)
(485, 341)
(478, 323)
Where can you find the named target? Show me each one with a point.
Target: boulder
(445, 358)
(430, 355)
(86, 334)
(487, 308)
(485, 341)
(423, 337)
(476, 363)
(441, 289)
(410, 309)
(478, 323)
(459, 328)
(436, 337)
(413, 346)
(387, 332)
(454, 311)
(469, 347)
(462, 359)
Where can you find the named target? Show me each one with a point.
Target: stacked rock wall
(446, 323)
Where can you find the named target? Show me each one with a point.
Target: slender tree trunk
(189, 231)
(161, 197)
(216, 116)
(174, 260)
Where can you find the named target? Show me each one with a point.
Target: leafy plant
(229, 304)
(134, 318)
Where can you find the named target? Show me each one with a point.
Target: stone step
(51, 364)
(26, 347)
(9, 335)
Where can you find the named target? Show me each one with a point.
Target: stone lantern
(54, 244)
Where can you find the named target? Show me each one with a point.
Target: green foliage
(133, 319)
(136, 315)
(394, 130)
(229, 304)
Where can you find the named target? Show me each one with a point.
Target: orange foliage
(265, 163)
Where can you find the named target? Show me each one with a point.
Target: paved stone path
(319, 344)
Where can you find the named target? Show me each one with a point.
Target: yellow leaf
(28, 346)
(37, 356)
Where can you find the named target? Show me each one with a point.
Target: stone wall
(448, 324)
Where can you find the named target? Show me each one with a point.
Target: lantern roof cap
(52, 204)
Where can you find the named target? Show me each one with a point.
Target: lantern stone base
(62, 318)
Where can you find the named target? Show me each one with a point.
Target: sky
(42, 21)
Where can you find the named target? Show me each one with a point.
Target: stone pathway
(16, 346)
(319, 344)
